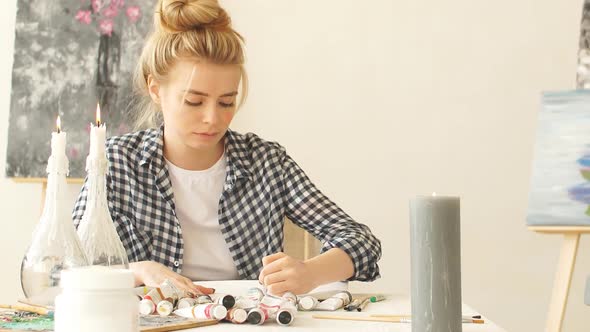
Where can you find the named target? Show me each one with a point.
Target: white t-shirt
(196, 196)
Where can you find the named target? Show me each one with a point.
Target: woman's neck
(191, 159)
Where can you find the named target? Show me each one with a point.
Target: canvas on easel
(559, 199)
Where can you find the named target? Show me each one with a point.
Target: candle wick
(58, 130)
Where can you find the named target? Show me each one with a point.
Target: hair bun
(184, 15)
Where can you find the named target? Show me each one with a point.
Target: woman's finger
(274, 278)
(271, 258)
(279, 288)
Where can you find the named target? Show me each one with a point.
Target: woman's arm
(350, 251)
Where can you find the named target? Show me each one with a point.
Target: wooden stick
(367, 319)
(179, 326)
(400, 319)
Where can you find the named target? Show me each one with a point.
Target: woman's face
(198, 101)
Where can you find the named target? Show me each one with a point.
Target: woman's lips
(206, 135)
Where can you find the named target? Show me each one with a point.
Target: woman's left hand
(282, 273)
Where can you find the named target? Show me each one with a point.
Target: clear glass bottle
(55, 245)
(96, 230)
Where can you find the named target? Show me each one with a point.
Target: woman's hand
(153, 274)
(282, 273)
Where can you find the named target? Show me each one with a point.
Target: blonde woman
(194, 200)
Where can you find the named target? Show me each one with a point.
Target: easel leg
(561, 284)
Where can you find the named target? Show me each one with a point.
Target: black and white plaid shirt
(263, 185)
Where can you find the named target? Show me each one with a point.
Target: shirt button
(176, 263)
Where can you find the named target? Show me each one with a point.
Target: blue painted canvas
(560, 184)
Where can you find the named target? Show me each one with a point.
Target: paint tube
(186, 302)
(236, 315)
(245, 303)
(308, 303)
(257, 316)
(165, 308)
(203, 311)
(147, 307)
(286, 314)
(204, 299)
(228, 301)
(290, 297)
(255, 294)
(250, 300)
(335, 302)
(271, 305)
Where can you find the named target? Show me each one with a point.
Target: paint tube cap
(239, 315)
(146, 307)
(97, 277)
(228, 301)
(219, 312)
(254, 317)
(284, 317)
(165, 308)
(306, 303)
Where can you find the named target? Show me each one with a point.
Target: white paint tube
(165, 308)
(186, 302)
(308, 303)
(236, 315)
(255, 294)
(203, 311)
(286, 314)
(203, 299)
(226, 300)
(271, 304)
(335, 302)
(147, 307)
(257, 316)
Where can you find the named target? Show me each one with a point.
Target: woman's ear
(154, 89)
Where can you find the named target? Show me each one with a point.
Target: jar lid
(97, 277)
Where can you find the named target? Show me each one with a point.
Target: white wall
(382, 100)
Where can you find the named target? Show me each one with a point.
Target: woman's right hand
(153, 274)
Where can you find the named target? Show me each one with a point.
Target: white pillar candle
(98, 137)
(58, 159)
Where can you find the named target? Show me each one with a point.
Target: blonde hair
(185, 28)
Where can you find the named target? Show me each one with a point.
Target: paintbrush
(28, 308)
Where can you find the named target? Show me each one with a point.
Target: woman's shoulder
(253, 146)
(132, 144)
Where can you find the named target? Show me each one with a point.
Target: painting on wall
(70, 55)
(560, 184)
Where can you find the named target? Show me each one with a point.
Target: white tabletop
(394, 304)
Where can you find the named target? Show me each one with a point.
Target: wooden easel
(565, 269)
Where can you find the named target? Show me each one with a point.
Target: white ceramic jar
(97, 298)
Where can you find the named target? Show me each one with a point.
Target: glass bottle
(55, 245)
(97, 231)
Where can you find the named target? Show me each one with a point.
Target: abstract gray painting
(69, 55)
(560, 186)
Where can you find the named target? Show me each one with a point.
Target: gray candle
(435, 242)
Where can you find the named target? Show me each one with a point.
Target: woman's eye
(226, 104)
(193, 103)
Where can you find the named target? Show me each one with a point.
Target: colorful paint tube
(203, 311)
